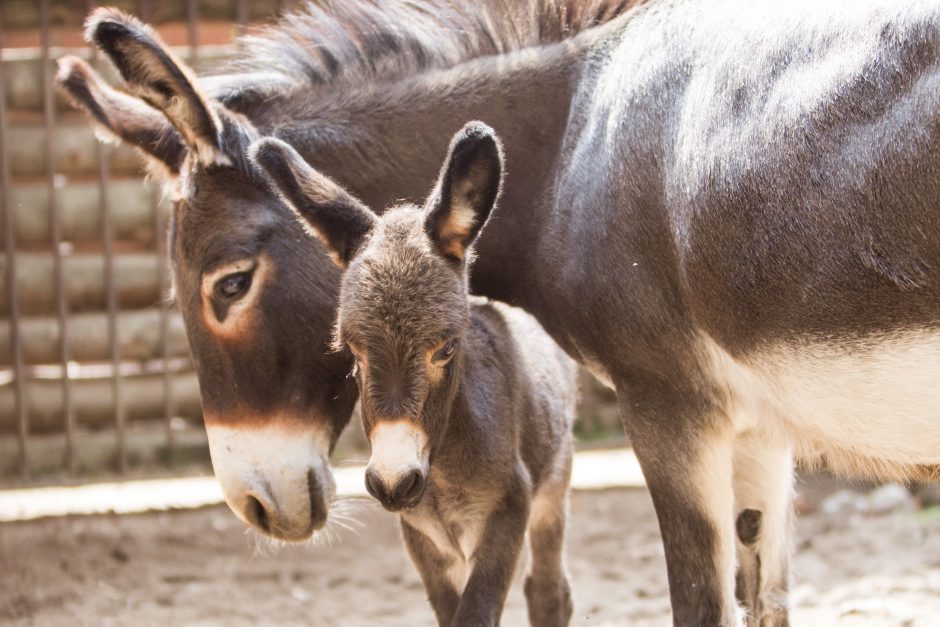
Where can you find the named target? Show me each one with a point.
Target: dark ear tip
(265, 151)
(70, 69)
(72, 79)
(104, 24)
(478, 137)
(476, 128)
(476, 132)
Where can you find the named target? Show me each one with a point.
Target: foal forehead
(402, 223)
(398, 285)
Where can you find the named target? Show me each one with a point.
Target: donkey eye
(446, 351)
(233, 285)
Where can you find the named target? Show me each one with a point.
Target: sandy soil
(201, 568)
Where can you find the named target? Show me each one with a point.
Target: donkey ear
(466, 190)
(119, 115)
(154, 74)
(328, 211)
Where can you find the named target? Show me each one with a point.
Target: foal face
(403, 310)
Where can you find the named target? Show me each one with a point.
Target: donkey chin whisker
(347, 518)
(347, 524)
(340, 520)
(260, 547)
(346, 505)
(362, 504)
(325, 536)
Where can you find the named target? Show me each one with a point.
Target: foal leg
(763, 492)
(684, 445)
(432, 565)
(495, 557)
(548, 595)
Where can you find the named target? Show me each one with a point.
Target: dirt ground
(202, 568)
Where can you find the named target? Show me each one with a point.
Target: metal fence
(95, 375)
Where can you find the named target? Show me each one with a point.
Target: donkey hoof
(549, 602)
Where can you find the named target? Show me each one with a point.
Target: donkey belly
(871, 406)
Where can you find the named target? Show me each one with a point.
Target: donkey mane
(358, 41)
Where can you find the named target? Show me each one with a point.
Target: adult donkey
(257, 305)
(729, 210)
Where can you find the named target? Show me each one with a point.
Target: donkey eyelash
(446, 351)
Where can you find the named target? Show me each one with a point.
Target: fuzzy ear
(153, 73)
(466, 190)
(121, 116)
(330, 213)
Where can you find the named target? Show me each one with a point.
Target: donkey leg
(684, 446)
(431, 565)
(495, 557)
(763, 492)
(548, 595)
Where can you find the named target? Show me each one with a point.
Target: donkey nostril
(256, 513)
(318, 507)
(374, 485)
(411, 486)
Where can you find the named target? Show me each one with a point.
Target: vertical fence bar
(9, 247)
(55, 227)
(107, 252)
(107, 241)
(163, 283)
(241, 16)
(192, 29)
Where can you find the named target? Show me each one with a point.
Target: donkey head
(404, 302)
(258, 305)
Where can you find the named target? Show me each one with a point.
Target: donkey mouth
(319, 505)
(290, 524)
(396, 506)
(274, 524)
(405, 492)
(257, 515)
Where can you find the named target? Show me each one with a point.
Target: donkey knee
(748, 526)
(549, 601)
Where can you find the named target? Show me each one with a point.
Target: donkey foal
(468, 404)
